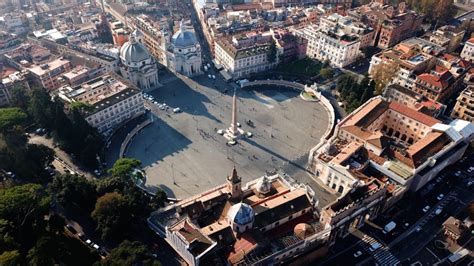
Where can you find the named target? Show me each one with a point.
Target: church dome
(241, 214)
(263, 185)
(134, 51)
(303, 230)
(183, 37)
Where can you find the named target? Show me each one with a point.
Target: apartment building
(468, 51)
(349, 26)
(47, 75)
(413, 56)
(447, 36)
(110, 99)
(392, 143)
(416, 101)
(244, 55)
(152, 35)
(464, 108)
(391, 24)
(332, 45)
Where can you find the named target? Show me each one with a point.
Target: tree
(24, 204)
(129, 253)
(123, 167)
(272, 52)
(383, 73)
(10, 258)
(56, 223)
(443, 10)
(10, 117)
(20, 97)
(74, 192)
(113, 215)
(326, 73)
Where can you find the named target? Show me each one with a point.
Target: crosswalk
(382, 256)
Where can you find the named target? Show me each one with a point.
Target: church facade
(137, 65)
(183, 52)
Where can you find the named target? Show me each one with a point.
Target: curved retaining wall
(301, 87)
(130, 136)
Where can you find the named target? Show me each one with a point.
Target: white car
(213, 77)
(418, 229)
(457, 174)
(426, 209)
(438, 211)
(209, 76)
(220, 132)
(249, 134)
(440, 196)
(96, 246)
(357, 254)
(176, 110)
(88, 242)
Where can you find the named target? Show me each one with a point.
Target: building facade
(464, 108)
(331, 45)
(138, 66)
(245, 55)
(110, 100)
(47, 75)
(468, 51)
(184, 52)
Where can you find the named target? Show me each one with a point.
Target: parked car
(374, 246)
(440, 196)
(357, 254)
(71, 228)
(426, 209)
(176, 110)
(438, 211)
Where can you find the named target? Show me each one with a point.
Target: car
(357, 254)
(238, 124)
(418, 229)
(162, 108)
(426, 209)
(440, 196)
(438, 211)
(248, 134)
(458, 173)
(213, 77)
(155, 102)
(71, 228)
(176, 110)
(220, 132)
(209, 76)
(471, 169)
(374, 246)
(95, 246)
(88, 242)
(231, 142)
(97, 172)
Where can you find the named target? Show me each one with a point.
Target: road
(415, 228)
(63, 162)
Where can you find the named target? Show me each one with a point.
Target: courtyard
(183, 154)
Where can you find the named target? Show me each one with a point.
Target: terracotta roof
(378, 140)
(420, 117)
(368, 114)
(434, 80)
(432, 143)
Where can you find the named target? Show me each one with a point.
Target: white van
(375, 246)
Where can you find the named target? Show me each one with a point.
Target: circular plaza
(184, 154)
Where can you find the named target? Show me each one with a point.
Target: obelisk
(233, 125)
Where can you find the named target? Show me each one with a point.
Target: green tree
(129, 253)
(44, 252)
(10, 117)
(20, 97)
(272, 52)
(123, 167)
(74, 192)
(10, 258)
(113, 215)
(326, 73)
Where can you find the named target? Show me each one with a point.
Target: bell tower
(234, 184)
